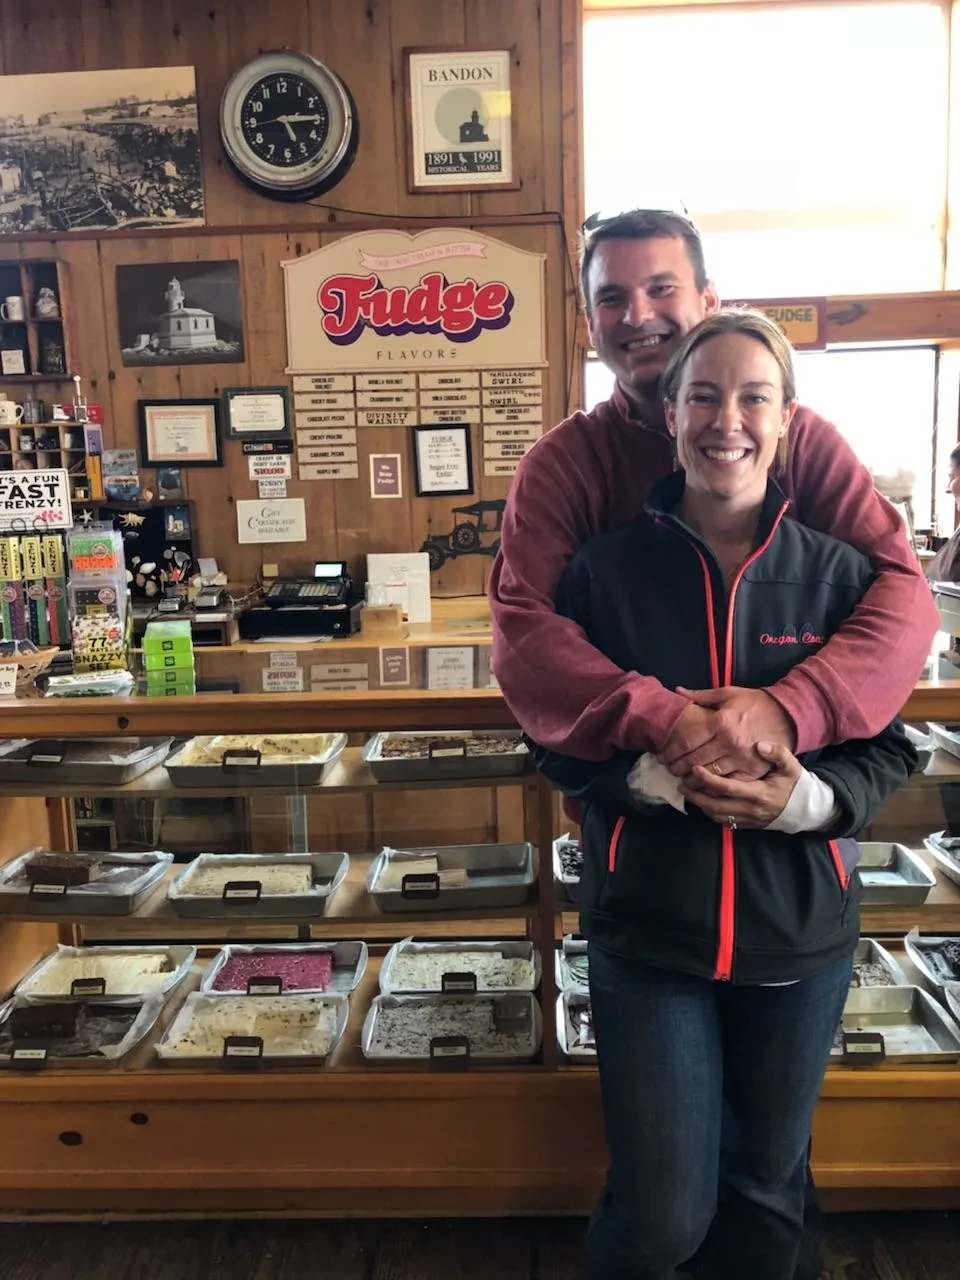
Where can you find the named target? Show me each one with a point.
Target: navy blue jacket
(680, 891)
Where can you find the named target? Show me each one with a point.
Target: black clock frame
(311, 188)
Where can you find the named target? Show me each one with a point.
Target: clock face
(284, 120)
(288, 125)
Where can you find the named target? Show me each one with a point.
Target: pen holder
(382, 622)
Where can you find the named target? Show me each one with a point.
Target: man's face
(643, 299)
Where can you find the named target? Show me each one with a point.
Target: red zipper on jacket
(723, 968)
(838, 863)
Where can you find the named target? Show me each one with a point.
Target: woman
(722, 914)
(945, 565)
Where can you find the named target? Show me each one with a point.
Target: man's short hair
(640, 224)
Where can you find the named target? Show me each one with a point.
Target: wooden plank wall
(362, 40)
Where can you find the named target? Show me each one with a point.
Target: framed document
(442, 461)
(461, 126)
(257, 413)
(184, 433)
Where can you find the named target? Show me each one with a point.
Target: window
(881, 402)
(776, 127)
(779, 129)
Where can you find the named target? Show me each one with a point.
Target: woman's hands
(751, 803)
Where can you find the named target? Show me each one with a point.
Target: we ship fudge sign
(388, 302)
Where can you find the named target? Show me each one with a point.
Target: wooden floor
(859, 1247)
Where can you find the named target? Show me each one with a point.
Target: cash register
(323, 605)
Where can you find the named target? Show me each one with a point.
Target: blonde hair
(752, 324)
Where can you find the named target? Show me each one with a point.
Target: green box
(171, 688)
(168, 661)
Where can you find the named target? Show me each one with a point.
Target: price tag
(169, 606)
(264, 986)
(88, 987)
(447, 748)
(450, 1051)
(29, 1059)
(48, 890)
(243, 1049)
(242, 891)
(862, 1048)
(45, 758)
(240, 759)
(458, 983)
(8, 679)
(420, 886)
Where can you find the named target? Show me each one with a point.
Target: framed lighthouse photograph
(180, 313)
(461, 125)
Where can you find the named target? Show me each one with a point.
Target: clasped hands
(732, 748)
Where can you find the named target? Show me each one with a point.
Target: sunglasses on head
(600, 219)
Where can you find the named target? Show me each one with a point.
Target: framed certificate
(461, 124)
(257, 413)
(184, 433)
(442, 461)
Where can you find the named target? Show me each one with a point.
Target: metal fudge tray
(568, 885)
(454, 974)
(243, 898)
(945, 736)
(570, 1006)
(892, 875)
(246, 767)
(869, 951)
(938, 846)
(520, 1029)
(100, 898)
(241, 1048)
(446, 757)
(922, 950)
(180, 958)
(913, 1026)
(571, 948)
(99, 762)
(498, 875)
(349, 965)
(35, 1053)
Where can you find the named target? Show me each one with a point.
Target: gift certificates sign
(392, 301)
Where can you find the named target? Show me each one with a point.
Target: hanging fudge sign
(390, 302)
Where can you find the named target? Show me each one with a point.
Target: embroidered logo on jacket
(789, 635)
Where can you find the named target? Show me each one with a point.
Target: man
(644, 286)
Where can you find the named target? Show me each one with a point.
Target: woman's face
(953, 482)
(729, 418)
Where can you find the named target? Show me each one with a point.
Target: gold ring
(731, 822)
(716, 769)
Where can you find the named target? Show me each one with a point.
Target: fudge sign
(394, 301)
(34, 500)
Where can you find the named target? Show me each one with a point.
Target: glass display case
(300, 951)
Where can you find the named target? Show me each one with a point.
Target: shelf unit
(351, 1137)
(36, 336)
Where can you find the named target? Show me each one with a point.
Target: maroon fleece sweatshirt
(593, 473)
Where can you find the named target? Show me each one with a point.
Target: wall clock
(288, 125)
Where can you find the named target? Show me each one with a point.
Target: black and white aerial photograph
(95, 150)
(180, 313)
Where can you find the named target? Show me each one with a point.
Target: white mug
(10, 412)
(12, 308)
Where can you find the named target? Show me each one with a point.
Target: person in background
(721, 914)
(644, 286)
(945, 565)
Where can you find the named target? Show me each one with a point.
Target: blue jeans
(708, 1093)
